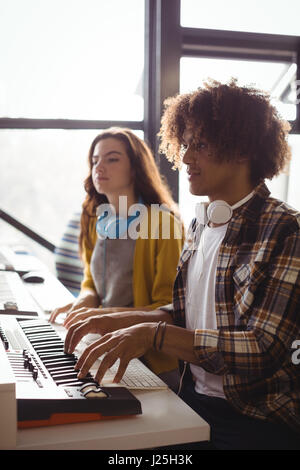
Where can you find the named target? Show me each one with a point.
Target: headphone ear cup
(116, 227)
(101, 225)
(219, 212)
(113, 227)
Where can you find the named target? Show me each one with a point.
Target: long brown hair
(148, 183)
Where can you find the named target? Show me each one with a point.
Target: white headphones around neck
(217, 212)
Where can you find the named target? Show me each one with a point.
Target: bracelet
(162, 336)
(156, 333)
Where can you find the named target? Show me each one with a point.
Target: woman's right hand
(88, 299)
(60, 310)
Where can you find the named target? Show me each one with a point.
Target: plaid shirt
(257, 303)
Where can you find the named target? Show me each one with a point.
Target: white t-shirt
(200, 300)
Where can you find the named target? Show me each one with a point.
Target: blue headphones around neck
(110, 225)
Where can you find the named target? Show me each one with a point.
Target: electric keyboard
(14, 297)
(29, 298)
(18, 260)
(38, 383)
(47, 389)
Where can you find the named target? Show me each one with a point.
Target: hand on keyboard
(137, 376)
(124, 344)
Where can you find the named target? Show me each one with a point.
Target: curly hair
(236, 121)
(148, 182)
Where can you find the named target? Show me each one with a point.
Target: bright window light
(258, 16)
(72, 59)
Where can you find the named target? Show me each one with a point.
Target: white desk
(165, 419)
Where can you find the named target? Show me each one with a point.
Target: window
(275, 77)
(72, 59)
(62, 60)
(259, 16)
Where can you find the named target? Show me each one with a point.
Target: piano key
(37, 328)
(45, 341)
(59, 365)
(33, 338)
(48, 359)
(42, 335)
(41, 340)
(66, 380)
(75, 383)
(70, 374)
(72, 382)
(55, 355)
(58, 350)
(62, 370)
(59, 346)
(31, 323)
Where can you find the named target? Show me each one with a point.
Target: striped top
(257, 303)
(69, 267)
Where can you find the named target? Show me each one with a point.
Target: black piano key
(72, 382)
(57, 355)
(42, 340)
(65, 380)
(50, 347)
(57, 349)
(48, 355)
(62, 370)
(51, 344)
(37, 328)
(50, 341)
(59, 365)
(61, 374)
(41, 333)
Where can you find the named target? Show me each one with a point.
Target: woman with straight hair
(131, 236)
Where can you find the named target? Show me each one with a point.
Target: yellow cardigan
(154, 270)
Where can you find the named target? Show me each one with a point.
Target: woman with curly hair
(126, 269)
(234, 320)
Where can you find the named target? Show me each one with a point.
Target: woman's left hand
(85, 313)
(124, 344)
